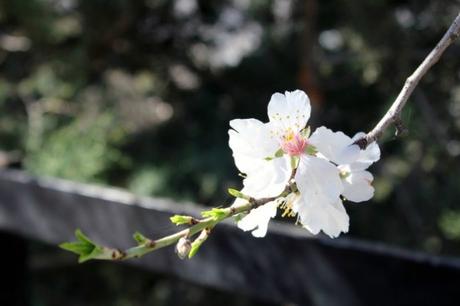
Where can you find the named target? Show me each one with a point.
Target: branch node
(118, 254)
(362, 143)
(401, 129)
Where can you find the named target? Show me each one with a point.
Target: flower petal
(288, 112)
(250, 143)
(257, 220)
(357, 186)
(371, 154)
(270, 180)
(317, 178)
(323, 215)
(335, 146)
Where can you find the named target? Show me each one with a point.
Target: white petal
(251, 143)
(323, 215)
(270, 179)
(258, 218)
(335, 146)
(371, 154)
(290, 111)
(318, 178)
(357, 186)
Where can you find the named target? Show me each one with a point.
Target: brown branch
(393, 115)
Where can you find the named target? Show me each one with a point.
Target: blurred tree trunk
(307, 73)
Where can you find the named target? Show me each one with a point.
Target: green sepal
(311, 150)
(279, 153)
(294, 162)
(215, 213)
(306, 132)
(237, 194)
(180, 220)
(84, 247)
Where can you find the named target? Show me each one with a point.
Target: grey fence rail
(286, 266)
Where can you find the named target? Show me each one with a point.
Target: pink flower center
(293, 144)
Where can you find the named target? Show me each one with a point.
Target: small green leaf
(97, 250)
(141, 239)
(82, 237)
(76, 247)
(180, 219)
(237, 194)
(84, 247)
(198, 242)
(215, 213)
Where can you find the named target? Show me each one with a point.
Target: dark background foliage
(138, 94)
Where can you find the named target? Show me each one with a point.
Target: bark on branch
(393, 115)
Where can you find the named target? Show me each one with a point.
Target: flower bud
(183, 247)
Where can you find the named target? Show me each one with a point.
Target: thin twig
(393, 115)
(206, 223)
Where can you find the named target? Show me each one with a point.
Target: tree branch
(88, 249)
(393, 115)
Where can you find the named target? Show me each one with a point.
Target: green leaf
(198, 242)
(76, 247)
(237, 194)
(84, 247)
(82, 237)
(180, 219)
(98, 250)
(215, 213)
(141, 239)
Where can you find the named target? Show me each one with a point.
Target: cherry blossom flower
(352, 162)
(268, 153)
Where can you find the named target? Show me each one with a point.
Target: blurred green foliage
(138, 94)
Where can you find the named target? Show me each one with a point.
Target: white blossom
(351, 161)
(256, 149)
(319, 169)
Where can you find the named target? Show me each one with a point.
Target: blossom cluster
(321, 169)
